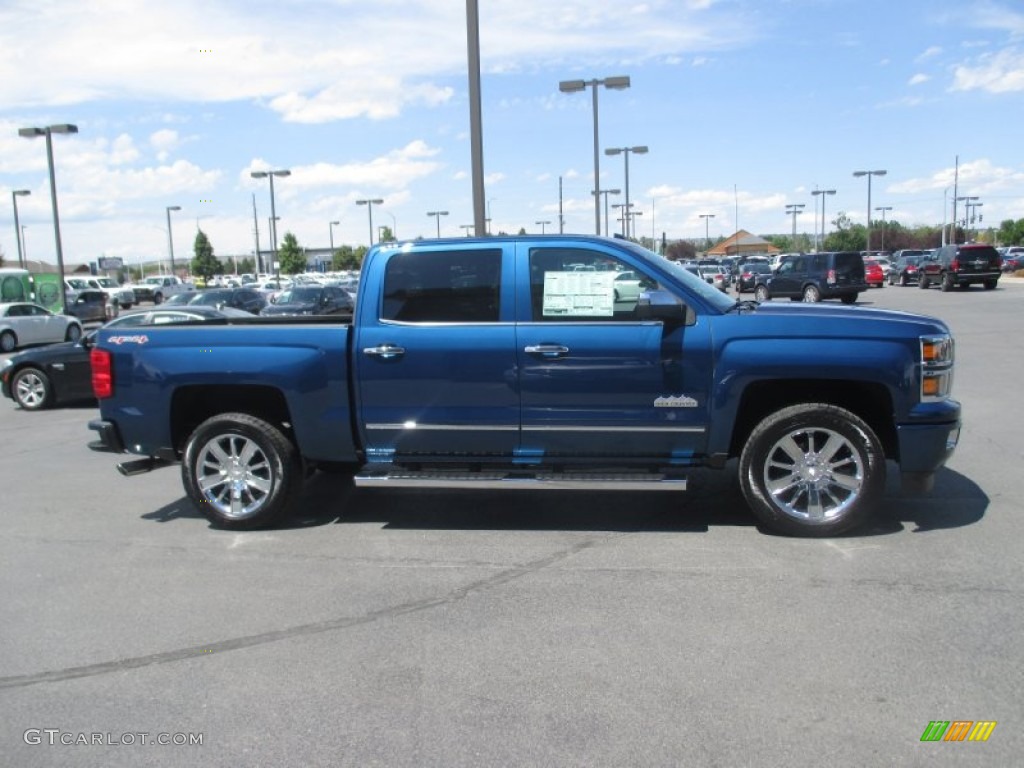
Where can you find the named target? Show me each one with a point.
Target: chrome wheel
(234, 476)
(31, 389)
(813, 475)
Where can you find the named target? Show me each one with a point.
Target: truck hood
(826, 318)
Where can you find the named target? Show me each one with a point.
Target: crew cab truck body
(499, 363)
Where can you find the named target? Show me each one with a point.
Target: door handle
(547, 350)
(384, 351)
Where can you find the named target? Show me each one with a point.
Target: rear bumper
(109, 437)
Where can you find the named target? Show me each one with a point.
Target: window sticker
(579, 294)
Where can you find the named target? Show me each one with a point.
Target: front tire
(73, 333)
(812, 470)
(241, 471)
(761, 293)
(8, 341)
(32, 389)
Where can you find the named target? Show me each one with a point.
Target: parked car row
(60, 373)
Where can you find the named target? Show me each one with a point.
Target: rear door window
(461, 286)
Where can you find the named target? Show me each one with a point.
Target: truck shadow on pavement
(713, 500)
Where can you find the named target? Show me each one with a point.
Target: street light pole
(883, 209)
(641, 150)
(17, 230)
(623, 214)
(707, 237)
(968, 201)
(48, 132)
(273, 211)
(369, 203)
(620, 82)
(794, 209)
(330, 227)
(543, 224)
(819, 245)
(869, 174)
(170, 239)
(437, 215)
(607, 192)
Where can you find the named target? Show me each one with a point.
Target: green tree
(345, 258)
(681, 250)
(291, 256)
(204, 263)
(847, 235)
(1011, 232)
(247, 265)
(386, 235)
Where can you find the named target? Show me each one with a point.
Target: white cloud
(918, 79)
(976, 177)
(929, 52)
(1001, 72)
(395, 170)
(313, 61)
(164, 141)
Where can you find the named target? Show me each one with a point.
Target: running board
(518, 480)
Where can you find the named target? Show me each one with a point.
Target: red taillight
(102, 373)
(954, 264)
(831, 278)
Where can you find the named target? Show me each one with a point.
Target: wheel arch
(870, 401)
(191, 406)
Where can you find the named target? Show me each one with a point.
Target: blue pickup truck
(558, 362)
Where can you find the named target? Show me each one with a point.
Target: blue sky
(746, 106)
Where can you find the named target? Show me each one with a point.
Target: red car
(874, 275)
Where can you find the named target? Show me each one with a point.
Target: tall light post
(330, 226)
(883, 209)
(968, 201)
(369, 203)
(543, 224)
(626, 151)
(437, 217)
(619, 82)
(170, 238)
(972, 211)
(606, 192)
(869, 174)
(15, 194)
(707, 237)
(48, 131)
(623, 213)
(822, 192)
(24, 246)
(468, 228)
(795, 209)
(273, 211)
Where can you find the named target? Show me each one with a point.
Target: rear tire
(947, 283)
(73, 333)
(848, 298)
(241, 471)
(32, 389)
(990, 285)
(761, 293)
(922, 282)
(811, 294)
(812, 469)
(8, 341)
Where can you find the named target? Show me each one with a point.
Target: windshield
(306, 295)
(692, 282)
(77, 284)
(106, 282)
(211, 298)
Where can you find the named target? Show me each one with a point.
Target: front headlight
(937, 353)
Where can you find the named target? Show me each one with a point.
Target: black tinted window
(443, 287)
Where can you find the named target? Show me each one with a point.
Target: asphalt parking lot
(472, 629)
